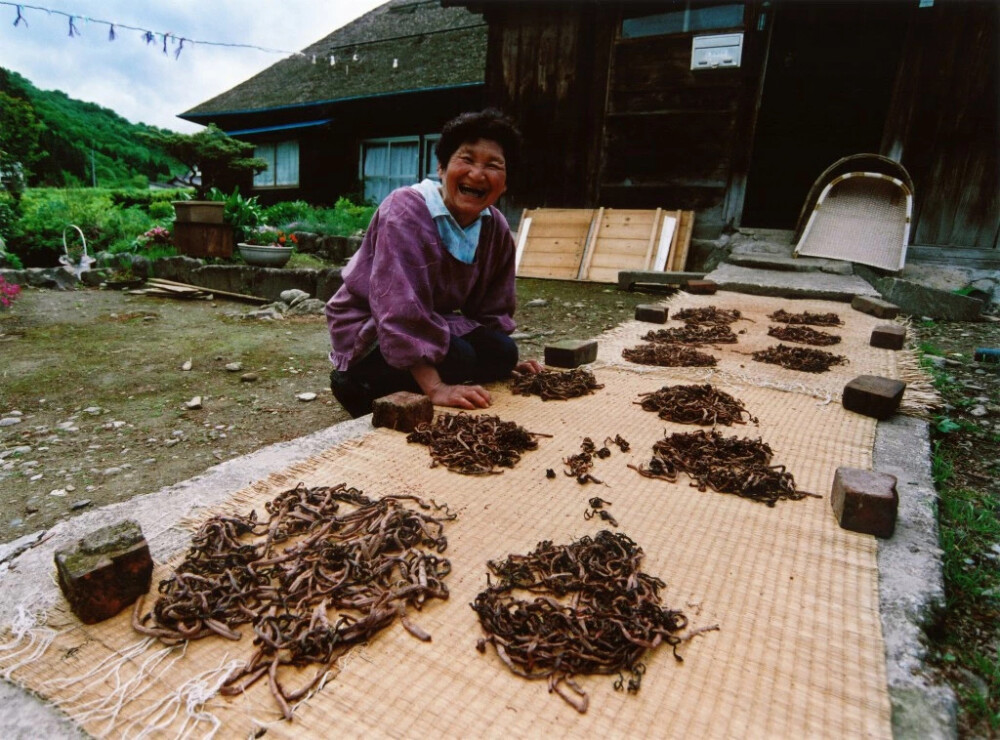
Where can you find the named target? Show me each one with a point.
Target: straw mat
(798, 652)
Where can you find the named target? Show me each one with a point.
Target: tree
(19, 136)
(222, 161)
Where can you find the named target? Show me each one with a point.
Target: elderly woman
(428, 300)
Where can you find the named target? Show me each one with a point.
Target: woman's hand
(531, 367)
(443, 394)
(460, 396)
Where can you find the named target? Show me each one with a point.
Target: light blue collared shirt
(460, 243)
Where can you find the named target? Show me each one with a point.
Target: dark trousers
(481, 356)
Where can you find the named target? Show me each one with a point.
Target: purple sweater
(404, 290)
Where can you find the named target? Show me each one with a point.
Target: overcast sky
(137, 80)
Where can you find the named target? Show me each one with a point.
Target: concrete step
(784, 284)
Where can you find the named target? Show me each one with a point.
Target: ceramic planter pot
(261, 255)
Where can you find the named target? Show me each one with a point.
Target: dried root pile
(724, 464)
(474, 445)
(556, 385)
(323, 551)
(693, 334)
(709, 315)
(800, 358)
(591, 611)
(696, 404)
(815, 319)
(668, 355)
(803, 335)
(579, 465)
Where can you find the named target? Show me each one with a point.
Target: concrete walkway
(910, 575)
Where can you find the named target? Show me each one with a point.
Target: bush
(161, 209)
(287, 212)
(346, 218)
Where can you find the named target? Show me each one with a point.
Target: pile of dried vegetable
(556, 385)
(474, 445)
(668, 355)
(815, 319)
(329, 569)
(708, 315)
(591, 610)
(696, 404)
(694, 334)
(579, 465)
(803, 335)
(799, 358)
(724, 464)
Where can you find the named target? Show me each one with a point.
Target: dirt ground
(96, 379)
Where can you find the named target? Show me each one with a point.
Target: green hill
(60, 141)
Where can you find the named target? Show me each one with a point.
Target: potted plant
(123, 278)
(267, 247)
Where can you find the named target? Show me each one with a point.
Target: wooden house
(733, 109)
(728, 108)
(358, 112)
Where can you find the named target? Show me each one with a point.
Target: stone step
(785, 284)
(787, 263)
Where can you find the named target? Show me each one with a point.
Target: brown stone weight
(865, 501)
(701, 287)
(651, 312)
(888, 336)
(872, 395)
(402, 411)
(105, 571)
(571, 353)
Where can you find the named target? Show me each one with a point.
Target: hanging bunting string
(150, 37)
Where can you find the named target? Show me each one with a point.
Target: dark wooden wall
(621, 123)
(625, 123)
(944, 123)
(547, 67)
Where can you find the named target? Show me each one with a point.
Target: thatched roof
(433, 47)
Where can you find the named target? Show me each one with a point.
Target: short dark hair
(488, 124)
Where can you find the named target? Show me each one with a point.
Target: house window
(690, 19)
(282, 164)
(387, 164)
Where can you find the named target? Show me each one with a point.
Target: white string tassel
(30, 640)
(191, 697)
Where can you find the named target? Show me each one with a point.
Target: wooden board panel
(595, 245)
(621, 243)
(680, 253)
(554, 242)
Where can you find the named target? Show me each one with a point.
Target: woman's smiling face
(475, 178)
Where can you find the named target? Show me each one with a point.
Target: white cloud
(139, 81)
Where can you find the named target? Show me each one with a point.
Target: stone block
(571, 353)
(402, 411)
(651, 312)
(888, 336)
(865, 501)
(105, 571)
(875, 307)
(701, 287)
(872, 395)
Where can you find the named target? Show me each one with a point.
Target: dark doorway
(827, 88)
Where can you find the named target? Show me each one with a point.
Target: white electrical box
(716, 52)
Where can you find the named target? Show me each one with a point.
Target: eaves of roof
(196, 117)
